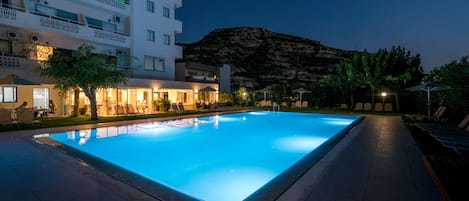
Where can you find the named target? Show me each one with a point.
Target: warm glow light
(43, 52)
(383, 94)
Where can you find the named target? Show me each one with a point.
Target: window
(150, 6)
(166, 12)
(151, 35)
(40, 97)
(167, 39)
(154, 63)
(8, 94)
(5, 46)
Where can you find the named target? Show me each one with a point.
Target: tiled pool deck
(377, 160)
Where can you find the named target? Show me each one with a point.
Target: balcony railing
(7, 61)
(115, 3)
(9, 11)
(59, 25)
(109, 36)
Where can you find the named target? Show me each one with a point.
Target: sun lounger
(130, 109)
(367, 107)
(5, 117)
(181, 108)
(358, 106)
(432, 127)
(378, 107)
(26, 116)
(388, 107)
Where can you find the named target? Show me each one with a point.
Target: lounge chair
(367, 107)
(388, 107)
(129, 108)
(378, 107)
(119, 109)
(445, 129)
(304, 104)
(358, 106)
(174, 107)
(438, 113)
(181, 108)
(26, 116)
(5, 117)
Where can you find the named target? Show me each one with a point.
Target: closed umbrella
(429, 87)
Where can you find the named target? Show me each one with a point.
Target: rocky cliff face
(260, 57)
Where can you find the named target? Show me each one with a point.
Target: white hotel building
(145, 30)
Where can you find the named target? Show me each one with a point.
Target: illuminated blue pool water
(216, 158)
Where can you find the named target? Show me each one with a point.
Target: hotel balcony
(36, 21)
(121, 6)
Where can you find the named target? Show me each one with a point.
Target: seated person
(22, 106)
(51, 107)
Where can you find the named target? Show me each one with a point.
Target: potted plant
(162, 104)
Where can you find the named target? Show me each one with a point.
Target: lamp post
(383, 94)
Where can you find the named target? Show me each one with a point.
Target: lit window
(8, 94)
(43, 52)
(151, 35)
(150, 6)
(166, 12)
(153, 63)
(167, 39)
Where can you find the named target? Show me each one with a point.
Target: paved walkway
(378, 160)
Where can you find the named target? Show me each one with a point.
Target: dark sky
(438, 30)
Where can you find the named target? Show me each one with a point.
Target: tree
(456, 75)
(86, 70)
(59, 67)
(392, 70)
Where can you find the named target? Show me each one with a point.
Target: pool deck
(377, 160)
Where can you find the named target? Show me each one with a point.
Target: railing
(59, 25)
(9, 11)
(115, 3)
(109, 36)
(9, 61)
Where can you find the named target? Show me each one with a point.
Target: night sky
(438, 30)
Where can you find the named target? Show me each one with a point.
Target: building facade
(144, 30)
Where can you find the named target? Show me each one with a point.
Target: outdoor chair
(5, 117)
(181, 108)
(174, 107)
(388, 107)
(437, 116)
(358, 106)
(367, 107)
(378, 107)
(26, 116)
(446, 129)
(130, 109)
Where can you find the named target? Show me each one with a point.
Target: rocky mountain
(259, 57)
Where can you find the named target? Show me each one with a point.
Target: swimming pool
(215, 158)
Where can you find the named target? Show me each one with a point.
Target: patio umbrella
(429, 87)
(13, 79)
(301, 91)
(206, 90)
(265, 91)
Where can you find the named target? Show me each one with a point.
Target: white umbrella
(265, 91)
(429, 87)
(301, 91)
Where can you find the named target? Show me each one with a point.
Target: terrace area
(378, 159)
